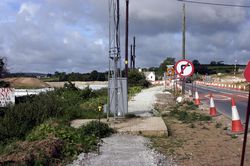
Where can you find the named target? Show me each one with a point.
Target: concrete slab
(148, 126)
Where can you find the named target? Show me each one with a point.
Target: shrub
(74, 140)
(21, 118)
(130, 115)
(16, 121)
(94, 127)
(136, 78)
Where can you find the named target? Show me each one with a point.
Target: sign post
(247, 76)
(99, 128)
(184, 68)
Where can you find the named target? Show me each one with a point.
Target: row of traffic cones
(237, 126)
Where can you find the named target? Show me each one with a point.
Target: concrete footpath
(124, 149)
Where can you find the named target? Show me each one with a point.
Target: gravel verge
(124, 150)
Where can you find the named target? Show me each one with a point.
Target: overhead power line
(215, 4)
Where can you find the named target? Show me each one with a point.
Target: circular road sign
(184, 68)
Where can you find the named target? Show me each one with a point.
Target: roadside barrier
(213, 111)
(197, 99)
(236, 122)
(219, 85)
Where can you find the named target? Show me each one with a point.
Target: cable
(215, 4)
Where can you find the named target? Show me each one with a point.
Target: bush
(93, 128)
(136, 78)
(21, 118)
(130, 115)
(4, 84)
(16, 121)
(74, 140)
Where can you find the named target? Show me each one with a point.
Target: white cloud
(29, 8)
(66, 35)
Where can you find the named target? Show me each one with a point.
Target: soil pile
(26, 82)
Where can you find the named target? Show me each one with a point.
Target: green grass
(182, 112)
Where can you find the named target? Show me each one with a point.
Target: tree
(93, 75)
(3, 69)
(196, 64)
(163, 65)
(136, 78)
(213, 63)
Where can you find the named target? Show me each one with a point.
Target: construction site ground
(26, 82)
(201, 142)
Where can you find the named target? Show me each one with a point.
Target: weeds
(218, 125)
(189, 117)
(234, 136)
(192, 125)
(130, 115)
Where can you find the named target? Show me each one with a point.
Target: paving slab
(148, 126)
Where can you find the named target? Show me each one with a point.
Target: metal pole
(134, 53)
(246, 129)
(183, 43)
(126, 39)
(99, 129)
(131, 56)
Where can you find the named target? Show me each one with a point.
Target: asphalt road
(222, 99)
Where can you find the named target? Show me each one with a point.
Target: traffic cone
(213, 111)
(196, 99)
(236, 123)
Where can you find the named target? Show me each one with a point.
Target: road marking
(217, 91)
(243, 96)
(218, 97)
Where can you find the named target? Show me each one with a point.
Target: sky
(72, 35)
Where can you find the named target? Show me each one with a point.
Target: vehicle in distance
(188, 80)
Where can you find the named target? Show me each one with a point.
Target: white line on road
(243, 96)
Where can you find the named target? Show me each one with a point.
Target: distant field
(224, 68)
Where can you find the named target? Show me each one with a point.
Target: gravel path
(128, 150)
(143, 103)
(124, 150)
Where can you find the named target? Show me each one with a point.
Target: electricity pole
(183, 42)
(134, 53)
(126, 39)
(131, 56)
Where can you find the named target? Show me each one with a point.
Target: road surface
(222, 99)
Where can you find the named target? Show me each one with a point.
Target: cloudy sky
(72, 35)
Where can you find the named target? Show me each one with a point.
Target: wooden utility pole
(183, 43)
(134, 53)
(131, 56)
(126, 39)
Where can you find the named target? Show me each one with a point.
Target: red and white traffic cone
(213, 111)
(197, 99)
(236, 123)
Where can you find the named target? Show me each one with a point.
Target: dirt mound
(26, 82)
(27, 153)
